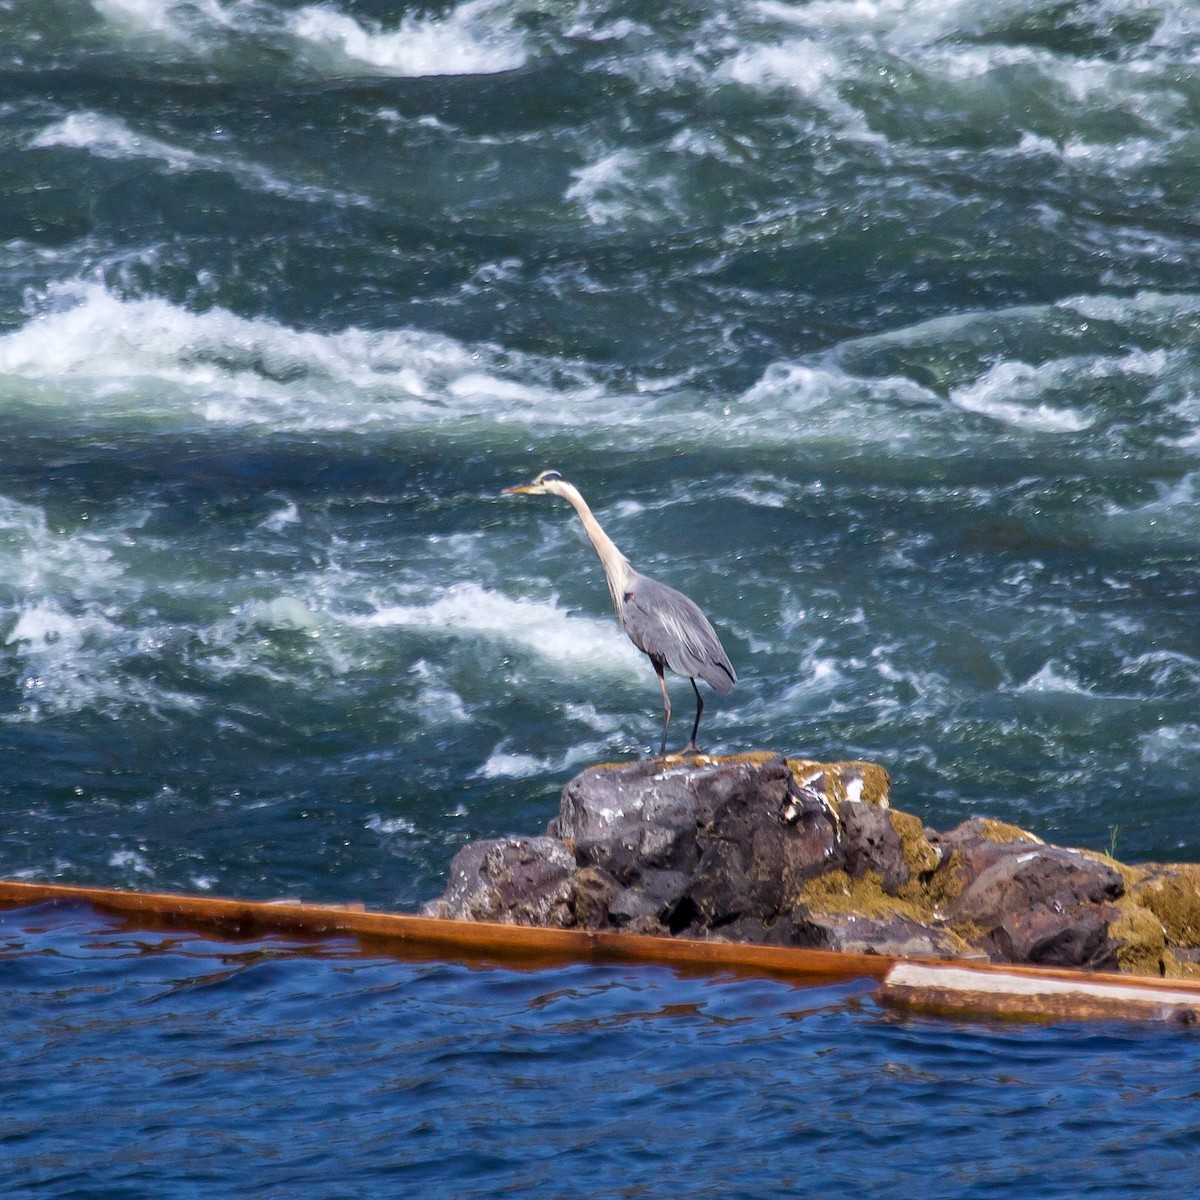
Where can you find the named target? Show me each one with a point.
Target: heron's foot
(690, 750)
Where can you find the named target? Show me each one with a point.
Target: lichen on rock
(1172, 893)
(1141, 942)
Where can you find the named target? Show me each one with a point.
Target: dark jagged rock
(1054, 937)
(793, 852)
(629, 819)
(751, 860)
(870, 842)
(517, 881)
(895, 934)
(595, 892)
(1018, 876)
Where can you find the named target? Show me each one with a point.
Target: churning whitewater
(871, 326)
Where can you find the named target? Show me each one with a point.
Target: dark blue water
(155, 1065)
(874, 325)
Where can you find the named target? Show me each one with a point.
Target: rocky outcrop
(761, 848)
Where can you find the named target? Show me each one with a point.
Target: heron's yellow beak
(544, 484)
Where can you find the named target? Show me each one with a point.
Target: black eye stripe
(549, 477)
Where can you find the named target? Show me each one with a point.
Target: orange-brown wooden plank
(401, 932)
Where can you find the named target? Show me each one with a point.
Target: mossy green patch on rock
(1172, 894)
(969, 933)
(1002, 832)
(753, 758)
(946, 884)
(836, 891)
(841, 893)
(1141, 940)
(919, 854)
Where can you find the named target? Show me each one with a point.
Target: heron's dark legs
(662, 683)
(691, 747)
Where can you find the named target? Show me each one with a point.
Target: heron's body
(661, 622)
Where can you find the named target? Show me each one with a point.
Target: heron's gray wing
(667, 626)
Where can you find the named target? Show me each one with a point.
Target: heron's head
(548, 483)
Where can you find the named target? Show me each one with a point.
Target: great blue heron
(662, 623)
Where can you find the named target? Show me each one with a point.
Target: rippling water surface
(874, 326)
(148, 1065)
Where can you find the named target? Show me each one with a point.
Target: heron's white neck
(617, 569)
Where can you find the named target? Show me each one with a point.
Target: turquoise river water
(873, 325)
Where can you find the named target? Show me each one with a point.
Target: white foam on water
(829, 15)
(1126, 155)
(89, 355)
(537, 627)
(1158, 309)
(810, 67)
(390, 826)
(34, 559)
(800, 63)
(281, 518)
(838, 54)
(288, 639)
(65, 625)
(607, 29)
(1053, 679)
(1009, 393)
(589, 715)
(441, 706)
(108, 137)
(504, 764)
(437, 704)
(622, 186)
(85, 347)
(62, 625)
(973, 329)
(79, 636)
(1172, 516)
(1165, 671)
(818, 403)
(816, 680)
(601, 188)
(1068, 392)
(72, 661)
(1170, 746)
(132, 861)
(1171, 319)
(171, 20)
(283, 612)
(761, 491)
(475, 38)
(44, 626)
